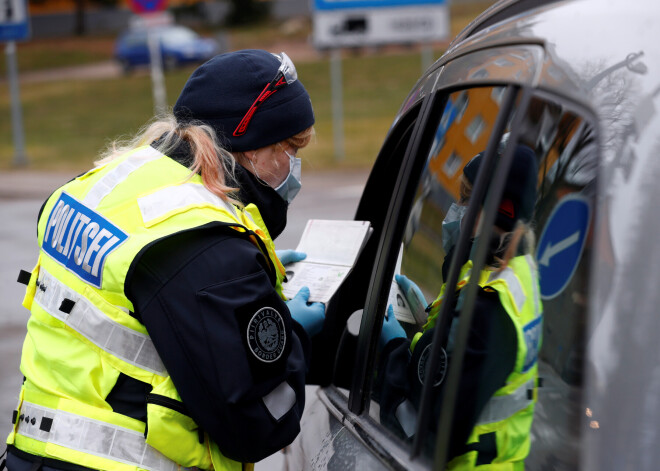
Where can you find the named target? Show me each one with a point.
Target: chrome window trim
(373, 436)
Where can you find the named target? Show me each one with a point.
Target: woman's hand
(309, 316)
(391, 328)
(290, 256)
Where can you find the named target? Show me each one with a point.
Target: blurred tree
(245, 12)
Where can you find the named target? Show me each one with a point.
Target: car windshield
(177, 36)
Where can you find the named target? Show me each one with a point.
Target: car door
(137, 47)
(479, 103)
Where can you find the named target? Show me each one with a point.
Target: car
(179, 45)
(578, 82)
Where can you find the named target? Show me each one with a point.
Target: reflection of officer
(158, 336)
(495, 401)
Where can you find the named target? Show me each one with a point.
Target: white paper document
(403, 311)
(399, 303)
(332, 248)
(398, 299)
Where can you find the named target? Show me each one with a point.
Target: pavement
(30, 184)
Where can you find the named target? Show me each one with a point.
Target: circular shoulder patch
(442, 367)
(266, 334)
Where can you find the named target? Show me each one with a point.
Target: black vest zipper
(168, 402)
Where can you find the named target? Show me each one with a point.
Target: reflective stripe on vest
(513, 283)
(502, 407)
(535, 284)
(280, 400)
(105, 185)
(131, 346)
(91, 436)
(160, 203)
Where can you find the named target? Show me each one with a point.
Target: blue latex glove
(290, 256)
(310, 316)
(414, 296)
(391, 328)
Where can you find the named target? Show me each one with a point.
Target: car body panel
(328, 443)
(599, 59)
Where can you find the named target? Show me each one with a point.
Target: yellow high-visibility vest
(507, 417)
(81, 336)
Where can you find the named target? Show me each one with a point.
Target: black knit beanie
(519, 195)
(221, 91)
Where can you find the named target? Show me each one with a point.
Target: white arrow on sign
(552, 250)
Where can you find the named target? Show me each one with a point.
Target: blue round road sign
(148, 6)
(560, 247)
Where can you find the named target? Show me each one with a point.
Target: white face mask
(291, 185)
(451, 226)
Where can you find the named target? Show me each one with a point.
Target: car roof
(499, 11)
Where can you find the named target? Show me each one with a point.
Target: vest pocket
(168, 403)
(171, 430)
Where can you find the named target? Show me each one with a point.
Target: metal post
(157, 76)
(16, 113)
(427, 56)
(337, 105)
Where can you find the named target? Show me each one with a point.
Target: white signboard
(353, 23)
(13, 20)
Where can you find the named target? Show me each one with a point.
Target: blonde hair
(210, 160)
(522, 234)
(301, 139)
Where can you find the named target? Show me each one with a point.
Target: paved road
(331, 195)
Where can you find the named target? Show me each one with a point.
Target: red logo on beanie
(271, 88)
(242, 126)
(506, 208)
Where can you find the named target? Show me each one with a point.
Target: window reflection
(499, 400)
(568, 177)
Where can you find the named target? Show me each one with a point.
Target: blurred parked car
(577, 82)
(178, 45)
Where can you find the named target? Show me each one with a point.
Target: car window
(529, 287)
(176, 36)
(138, 38)
(423, 252)
(462, 130)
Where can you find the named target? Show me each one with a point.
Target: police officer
(497, 389)
(159, 337)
